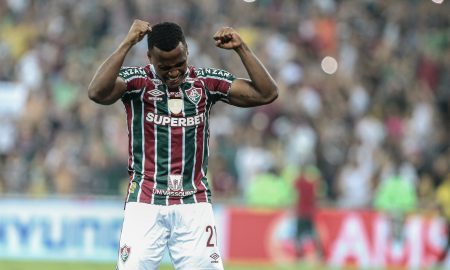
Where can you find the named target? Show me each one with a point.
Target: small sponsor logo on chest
(155, 95)
(175, 105)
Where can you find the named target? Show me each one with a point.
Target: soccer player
(167, 104)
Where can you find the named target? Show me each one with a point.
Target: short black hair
(165, 36)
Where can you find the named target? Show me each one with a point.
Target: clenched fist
(137, 31)
(227, 38)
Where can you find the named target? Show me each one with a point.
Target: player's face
(170, 66)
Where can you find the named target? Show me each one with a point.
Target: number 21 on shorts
(212, 236)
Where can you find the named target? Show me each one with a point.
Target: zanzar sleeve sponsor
(128, 73)
(135, 79)
(217, 82)
(215, 73)
(164, 120)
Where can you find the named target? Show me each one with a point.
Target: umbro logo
(215, 257)
(156, 92)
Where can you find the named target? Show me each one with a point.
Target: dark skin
(106, 87)
(170, 66)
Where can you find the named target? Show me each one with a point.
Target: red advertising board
(366, 239)
(250, 234)
(358, 238)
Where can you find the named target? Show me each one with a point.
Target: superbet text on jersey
(169, 133)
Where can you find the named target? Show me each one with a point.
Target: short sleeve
(217, 82)
(134, 77)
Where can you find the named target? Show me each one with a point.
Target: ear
(186, 48)
(149, 56)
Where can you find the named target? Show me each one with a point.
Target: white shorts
(188, 230)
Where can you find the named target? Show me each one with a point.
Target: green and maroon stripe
(204, 180)
(157, 151)
(135, 141)
(199, 174)
(190, 109)
(162, 154)
(149, 147)
(176, 157)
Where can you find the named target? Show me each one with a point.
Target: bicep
(243, 94)
(119, 89)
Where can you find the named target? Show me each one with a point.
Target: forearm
(103, 82)
(260, 77)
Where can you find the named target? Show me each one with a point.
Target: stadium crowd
(383, 116)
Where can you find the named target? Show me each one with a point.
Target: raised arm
(261, 87)
(106, 87)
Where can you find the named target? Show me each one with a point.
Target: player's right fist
(137, 31)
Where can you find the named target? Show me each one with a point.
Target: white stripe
(143, 146)
(137, 76)
(183, 154)
(195, 159)
(131, 146)
(205, 131)
(215, 77)
(155, 157)
(219, 93)
(207, 114)
(169, 159)
(133, 91)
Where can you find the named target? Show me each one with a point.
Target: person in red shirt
(307, 188)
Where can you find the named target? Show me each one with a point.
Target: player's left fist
(227, 38)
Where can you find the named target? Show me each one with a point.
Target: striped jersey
(168, 133)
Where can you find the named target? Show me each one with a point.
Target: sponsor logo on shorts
(215, 257)
(125, 253)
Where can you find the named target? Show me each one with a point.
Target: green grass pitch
(43, 265)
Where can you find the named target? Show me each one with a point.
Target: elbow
(272, 96)
(92, 94)
(95, 96)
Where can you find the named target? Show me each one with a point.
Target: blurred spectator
(426, 194)
(443, 202)
(308, 189)
(269, 190)
(391, 92)
(395, 196)
(354, 181)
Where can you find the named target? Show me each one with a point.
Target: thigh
(193, 241)
(143, 238)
